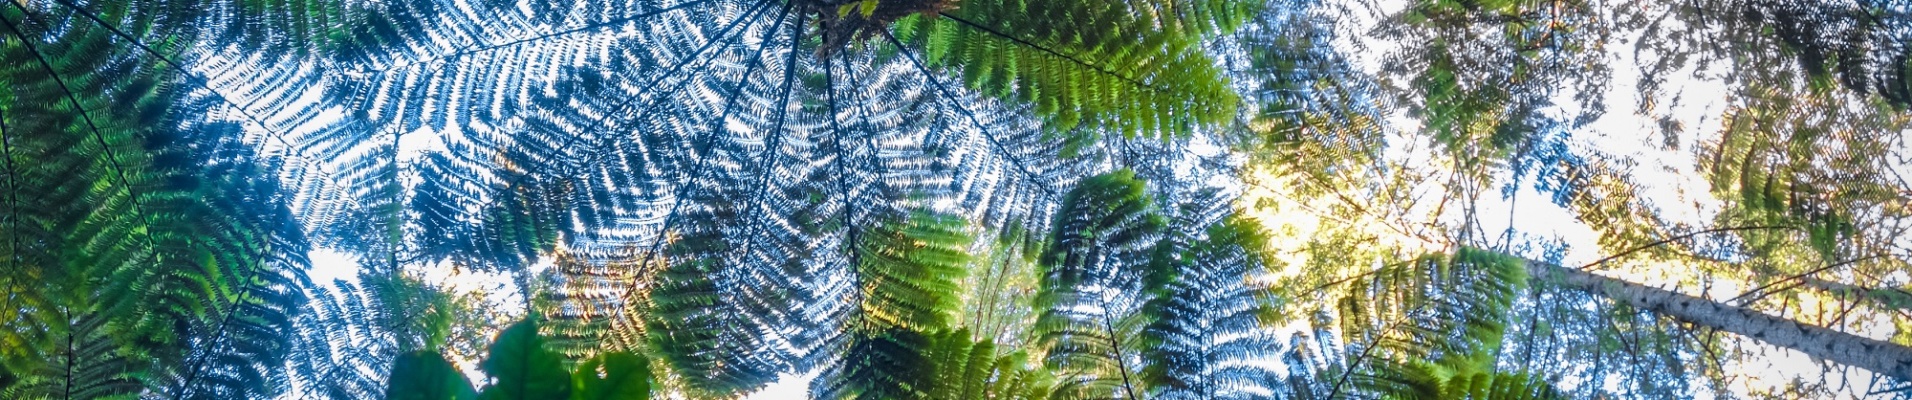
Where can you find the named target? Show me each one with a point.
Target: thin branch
(1762, 288)
(1661, 242)
(13, 220)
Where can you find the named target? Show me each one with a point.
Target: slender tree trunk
(1881, 357)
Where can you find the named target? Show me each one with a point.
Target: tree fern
(610, 133)
(164, 260)
(1130, 67)
(1091, 291)
(1208, 332)
(1440, 341)
(905, 364)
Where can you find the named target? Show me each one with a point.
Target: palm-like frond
(353, 333)
(907, 272)
(904, 291)
(1094, 272)
(904, 364)
(1440, 337)
(1208, 333)
(148, 250)
(1135, 67)
(1858, 45)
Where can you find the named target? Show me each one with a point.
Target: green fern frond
(1208, 331)
(1133, 67)
(1091, 290)
(1450, 324)
(168, 259)
(907, 272)
(901, 364)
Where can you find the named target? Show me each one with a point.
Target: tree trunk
(1880, 357)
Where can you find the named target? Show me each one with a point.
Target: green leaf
(425, 375)
(522, 368)
(620, 375)
(910, 269)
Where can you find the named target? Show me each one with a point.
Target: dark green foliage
(889, 364)
(901, 364)
(1208, 325)
(147, 249)
(425, 375)
(1134, 67)
(521, 368)
(613, 376)
(1091, 290)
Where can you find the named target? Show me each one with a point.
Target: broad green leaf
(425, 375)
(521, 368)
(613, 376)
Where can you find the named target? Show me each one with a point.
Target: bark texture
(1880, 357)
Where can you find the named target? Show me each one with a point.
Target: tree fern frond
(907, 272)
(1208, 331)
(169, 265)
(1091, 292)
(904, 364)
(1132, 67)
(347, 342)
(1452, 322)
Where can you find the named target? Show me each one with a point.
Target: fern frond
(347, 342)
(1452, 320)
(904, 364)
(169, 265)
(1207, 335)
(1134, 67)
(1091, 292)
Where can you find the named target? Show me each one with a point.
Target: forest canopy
(955, 199)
